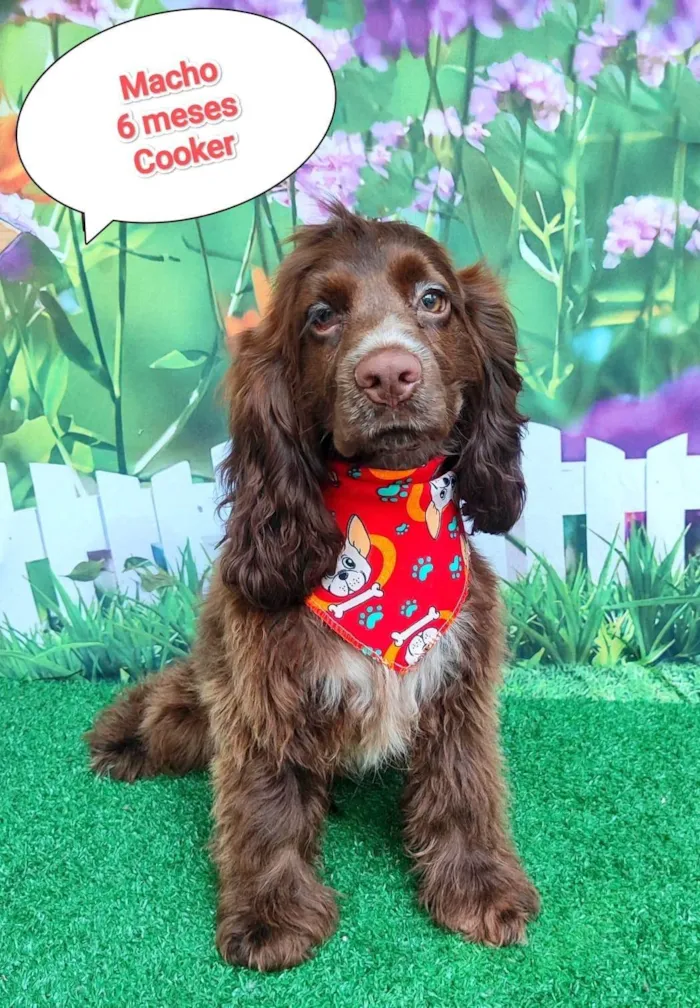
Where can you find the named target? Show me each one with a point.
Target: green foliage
(117, 636)
(649, 615)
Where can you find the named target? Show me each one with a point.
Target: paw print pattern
(408, 608)
(354, 472)
(402, 529)
(453, 527)
(371, 652)
(394, 491)
(456, 567)
(422, 568)
(370, 616)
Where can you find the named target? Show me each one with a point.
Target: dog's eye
(322, 318)
(349, 562)
(434, 301)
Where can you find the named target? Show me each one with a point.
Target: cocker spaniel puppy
(349, 621)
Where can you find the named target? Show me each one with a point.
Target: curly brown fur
(271, 698)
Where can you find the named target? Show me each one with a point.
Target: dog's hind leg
(156, 727)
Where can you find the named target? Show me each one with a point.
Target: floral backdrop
(560, 141)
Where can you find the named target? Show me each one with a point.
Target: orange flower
(13, 177)
(234, 325)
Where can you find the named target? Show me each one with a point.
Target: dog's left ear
(489, 475)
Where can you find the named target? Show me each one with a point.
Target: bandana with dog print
(403, 574)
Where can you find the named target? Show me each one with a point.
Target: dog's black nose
(389, 376)
(343, 575)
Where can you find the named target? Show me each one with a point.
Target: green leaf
(136, 562)
(156, 581)
(610, 85)
(87, 570)
(56, 386)
(70, 343)
(531, 259)
(509, 194)
(178, 360)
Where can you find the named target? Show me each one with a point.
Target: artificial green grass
(108, 895)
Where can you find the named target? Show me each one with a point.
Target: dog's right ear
(280, 539)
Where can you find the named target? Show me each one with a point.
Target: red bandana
(403, 574)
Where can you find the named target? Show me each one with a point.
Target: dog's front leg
(273, 909)
(470, 878)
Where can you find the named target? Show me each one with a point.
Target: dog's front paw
(492, 905)
(269, 943)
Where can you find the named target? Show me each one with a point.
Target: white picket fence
(125, 518)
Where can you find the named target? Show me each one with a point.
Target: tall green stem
(209, 366)
(469, 69)
(515, 221)
(271, 224)
(119, 349)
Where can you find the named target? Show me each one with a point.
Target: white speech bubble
(175, 115)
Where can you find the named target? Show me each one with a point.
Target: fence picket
(68, 524)
(543, 514)
(605, 501)
(665, 484)
(127, 519)
(130, 524)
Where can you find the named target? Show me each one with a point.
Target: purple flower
(693, 243)
(91, 13)
(439, 124)
(440, 185)
(635, 425)
(635, 224)
(627, 15)
(474, 133)
(336, 45)
(391, 25)
(332, 171)
(654, 51)
(694, 67)
(378, 158)
(390, 134)
(19, 214)
(682, 30)
(527, 79)
(593, 49)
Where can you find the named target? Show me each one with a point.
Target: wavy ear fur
(488, 470)
(280, 539)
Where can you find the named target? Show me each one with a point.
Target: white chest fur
(383, 704)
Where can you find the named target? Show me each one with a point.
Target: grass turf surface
(108, 894)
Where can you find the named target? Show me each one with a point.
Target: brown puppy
(374, 348)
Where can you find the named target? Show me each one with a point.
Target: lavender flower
(19, 213)
(592, 50)
(439, 124)
(526, 79)
(440, 184)
(390, 134)
(91, 13)
(654, 52)
(474, 133)
(378, 158)
(336, 45)
(332, 171)
(693, 243)
(694, 67)
(682, 30)
(635, 425)
(639, 221)
(391, 25)
(627, 15)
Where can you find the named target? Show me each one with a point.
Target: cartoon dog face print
(352, 571)
(442, 492)
(418, 645)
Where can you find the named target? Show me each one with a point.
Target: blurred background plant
(558, 140)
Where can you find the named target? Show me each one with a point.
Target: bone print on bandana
(403, 573)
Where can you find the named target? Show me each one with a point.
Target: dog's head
(352, 571)
(374, 348)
